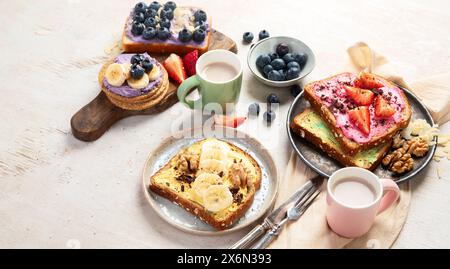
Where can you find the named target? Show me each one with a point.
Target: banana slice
(116, 74)
(127, 67)
(213, 153)
(154, 74)
(217, 198)
(213, 166)
(202, 182)
(139, 83)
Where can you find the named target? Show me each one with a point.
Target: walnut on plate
(418, 147)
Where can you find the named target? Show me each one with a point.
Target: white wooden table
(59, 192)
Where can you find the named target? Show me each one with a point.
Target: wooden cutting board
(94, 119)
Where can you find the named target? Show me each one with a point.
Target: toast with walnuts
(212, 179)
(166, 28)
(310, 126)
(362, 111)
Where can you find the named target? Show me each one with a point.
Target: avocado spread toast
(212, 179)
(313, 128)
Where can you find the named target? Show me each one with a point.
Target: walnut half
(239, 175)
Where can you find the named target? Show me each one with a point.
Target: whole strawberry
(189, 61)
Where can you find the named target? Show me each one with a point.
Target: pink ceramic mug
(353, 221)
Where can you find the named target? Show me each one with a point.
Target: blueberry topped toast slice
(166, 28)
(212, 179)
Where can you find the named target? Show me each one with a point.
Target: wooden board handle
(94, 119)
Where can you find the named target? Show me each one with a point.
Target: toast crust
(349, 145)
(163, 48)
(140, 102)
(197, 209)
(344, 159)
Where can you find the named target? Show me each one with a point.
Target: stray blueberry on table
(282, 49)
(247, 37)
(269, 116)
(295, 90)
(273, 99)
(263, 34)
(253, 109)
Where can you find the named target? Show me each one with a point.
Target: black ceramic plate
(325, 166)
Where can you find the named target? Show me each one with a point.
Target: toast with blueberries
(362, 111)
(212, 179)
(310, 126)
(166, 28)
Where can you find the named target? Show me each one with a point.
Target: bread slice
(161, 47)
(175, 182)
(349, 145)
(309, 125)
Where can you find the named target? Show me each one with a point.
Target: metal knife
(277, 215)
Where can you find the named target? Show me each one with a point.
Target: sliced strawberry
(360, 96)
(189, 61)
(382, 108)
(367, 81)
(229, 121)
(360, 116)
(175, 68)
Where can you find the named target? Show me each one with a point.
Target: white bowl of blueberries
(280, 61)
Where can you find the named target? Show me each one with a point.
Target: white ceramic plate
(180, 218)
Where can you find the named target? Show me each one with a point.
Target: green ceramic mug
(218, 80)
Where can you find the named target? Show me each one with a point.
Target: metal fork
(293, 214)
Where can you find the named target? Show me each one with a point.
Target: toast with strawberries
(362, 111)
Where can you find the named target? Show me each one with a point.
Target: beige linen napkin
(311, 230)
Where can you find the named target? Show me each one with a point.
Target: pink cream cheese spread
(333, 95)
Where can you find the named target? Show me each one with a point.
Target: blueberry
(247, 37)
(267, 69)
(140, 7)
(137, 59)
(200, 15)
(147, 65)
(295, 90)
(163, 33)
(300, 58)
(200, 25)
(164, 23)
(170, 5)
(185, 35)
(199, 35)
(288, 58)
(282, 49)
(273, 56)
(149, 33)
(269, 116)
(262, 60)
(137, 28)
(263, 34)
(273, 99)
(275, 75)
(139, 17)
(137, 71)
(293, 64)
(278, 64)
(166, 13)
(253, 109)
(150, 22)
(292, 73)
(155, 5)
(150, 13)
(282, 73)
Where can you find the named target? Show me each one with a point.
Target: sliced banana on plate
(213, 166)
(154, 74)
(138, 83)
(116, 74)
(202, 183)
(217, 198)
